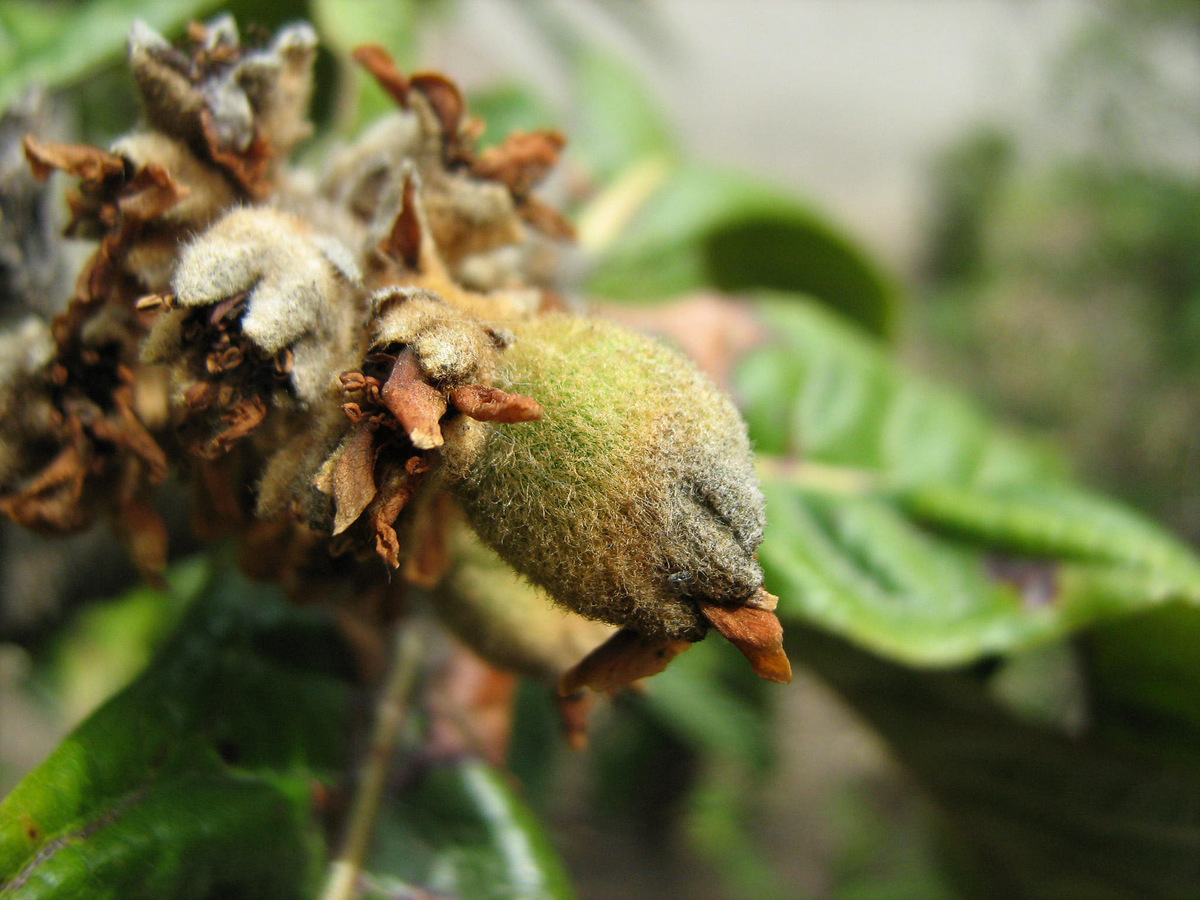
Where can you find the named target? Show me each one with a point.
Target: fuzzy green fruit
(634, 498)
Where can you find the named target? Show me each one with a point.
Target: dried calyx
(348, 368)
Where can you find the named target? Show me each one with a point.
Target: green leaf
(197, 779)
(618, 124)
(509, 108)
(900, 520)
(1031, 812)
(53, 44)
(347, 24)
(110, 642)
(709, 228)
(457, 828)
(1144, 681)
(711, 701)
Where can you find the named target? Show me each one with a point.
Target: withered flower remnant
(349, 367)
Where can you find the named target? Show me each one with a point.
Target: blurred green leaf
(1144, 681)
(708, 228)
(509, 108)
(457, 828)
(900, 520)
(719, 821)
(55, 43)
(1031, 813)
(110, 642)
(196, 780)
(617, 125)
(709, 699)
(347, 24)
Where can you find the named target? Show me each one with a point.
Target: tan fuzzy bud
(299, 287)
(451, 346)
(208, 192)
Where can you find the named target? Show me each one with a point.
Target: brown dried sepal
(624, 658)
(404, 241)
(522, 162)
(489, 404)
(122, 428)
(417, 405)
(90, 164)
(447, 102)
(350, 480)
(545, 218)
(574, 714)
(144, 535)
(755, 630)
(149, 194)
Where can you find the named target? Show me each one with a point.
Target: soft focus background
(1020, 182)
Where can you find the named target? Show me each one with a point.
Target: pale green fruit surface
(635, 495)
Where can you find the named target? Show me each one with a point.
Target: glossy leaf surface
(901, 520)
(200, 777)
(457, 828)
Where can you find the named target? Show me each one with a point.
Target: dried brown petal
(240, 419)
(574, 712)
(522, 161)
(128, 432)
(397, 489)
(145, 537)
(489, 404)
(621, 660)
(445, 98)
(51, 503)
(403, 242)
(88, 163)
(151, 193)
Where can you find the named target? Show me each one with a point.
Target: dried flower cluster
(357, 374)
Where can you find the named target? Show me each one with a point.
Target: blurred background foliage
(1000, 688)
